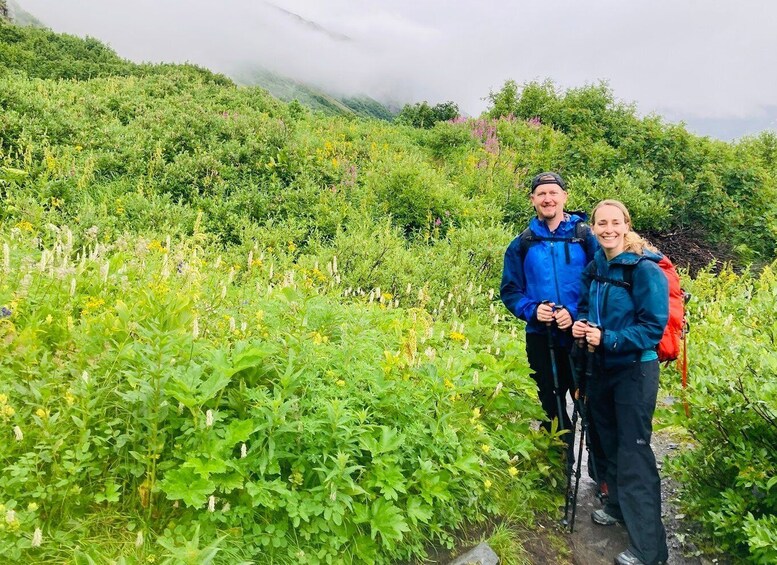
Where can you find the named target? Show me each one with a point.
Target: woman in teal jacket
(625, 301)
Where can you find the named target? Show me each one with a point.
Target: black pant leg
(638, 482)
(538, 354)
(602, 403)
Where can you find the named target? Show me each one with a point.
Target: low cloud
(685, 59)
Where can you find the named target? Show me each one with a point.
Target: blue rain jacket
(633, 319)
(544, 274)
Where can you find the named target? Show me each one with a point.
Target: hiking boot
(628, 558)
(603, 519)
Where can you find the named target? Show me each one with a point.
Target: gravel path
(598, 545)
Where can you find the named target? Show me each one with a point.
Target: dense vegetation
(233, 328)
(286, 89)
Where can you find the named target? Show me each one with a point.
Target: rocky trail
(598, 545)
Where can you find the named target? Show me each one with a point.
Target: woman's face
(610, 227)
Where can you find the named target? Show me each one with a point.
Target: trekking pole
(589, 370)
(556, 391)
(579, 368)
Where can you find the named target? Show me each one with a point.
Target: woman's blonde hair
(632, 241)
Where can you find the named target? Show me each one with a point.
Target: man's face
(548, 200)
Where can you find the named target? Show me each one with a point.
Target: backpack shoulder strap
(525, 239)
(581, 231)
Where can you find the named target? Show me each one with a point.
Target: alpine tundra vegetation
(234, 329)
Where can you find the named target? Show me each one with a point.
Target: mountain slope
(287, 89)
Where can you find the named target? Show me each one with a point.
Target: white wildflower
(212, 503)
(223, 291)
(231, 324)
(490, 293)
(104, 271)
(272, 270)
(17, 432)
(180, 407)
(85, 377)
(476, 378)
(243, 451)
(498, 388)
(37, 538)
(430, 353)
(409, 288)
(139, 540)
(196, 328)
(226, 507)
(6, 257)
(496, 319)
(243, 327)
(73, 286)
(10, 516)
(334, 264)
(250, 259)
(497, 351)
(208, 418)
(466, 345)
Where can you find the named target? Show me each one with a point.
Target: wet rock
(481, 554)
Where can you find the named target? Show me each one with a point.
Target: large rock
(481, 554)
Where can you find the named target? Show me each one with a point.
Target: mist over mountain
(684, 61)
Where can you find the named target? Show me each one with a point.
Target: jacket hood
(627, 257)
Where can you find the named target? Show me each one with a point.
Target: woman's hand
(578, 329)
(593, 336)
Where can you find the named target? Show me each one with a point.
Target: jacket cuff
(610, 340)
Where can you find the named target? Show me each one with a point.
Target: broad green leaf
(186, 485)
(238, 431)
(387, 520)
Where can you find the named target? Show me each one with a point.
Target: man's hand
(563, 318)
(545, 312)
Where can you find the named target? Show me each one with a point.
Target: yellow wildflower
(340, 382)
(456, 336)
(487, 484)
(485, 448)
(41, 413)
(513, 471)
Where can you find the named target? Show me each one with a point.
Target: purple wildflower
(5, 312)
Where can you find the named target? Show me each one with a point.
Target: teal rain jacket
(633, 319)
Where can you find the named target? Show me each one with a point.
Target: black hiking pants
(538, 354)
(622, 404)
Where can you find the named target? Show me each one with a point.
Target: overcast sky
(710, 63)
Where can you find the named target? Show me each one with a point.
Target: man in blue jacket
(541, 285)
